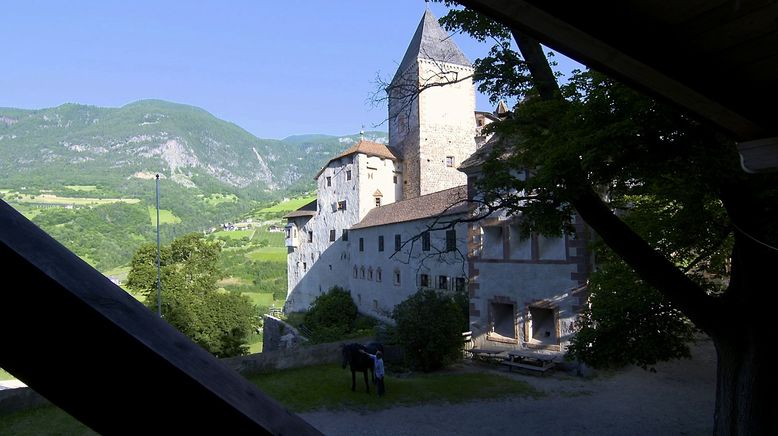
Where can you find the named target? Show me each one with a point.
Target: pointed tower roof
(431, 42)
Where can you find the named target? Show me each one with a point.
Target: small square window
(342, 205)
(449, 161)
(332, 235)
(394, 179)
(329, 181)
(378, 202)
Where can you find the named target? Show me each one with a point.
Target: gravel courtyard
(676, 400)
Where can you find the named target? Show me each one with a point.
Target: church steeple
(431, 42)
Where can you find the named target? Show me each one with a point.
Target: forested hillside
(86, 174)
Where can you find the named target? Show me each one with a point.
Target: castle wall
(379, 280)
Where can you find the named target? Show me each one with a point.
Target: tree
(219, 322)
(663, 191)
(429, 329)
(331, 315)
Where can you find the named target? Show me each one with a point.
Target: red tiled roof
(366, 147)
(447, 202)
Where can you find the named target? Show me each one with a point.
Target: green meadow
(288, 206)
(165, 216)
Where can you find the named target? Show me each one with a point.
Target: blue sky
(275, 68)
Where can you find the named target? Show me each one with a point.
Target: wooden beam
(93, 350)
(679, 77)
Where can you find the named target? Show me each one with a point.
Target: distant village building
(387, 218)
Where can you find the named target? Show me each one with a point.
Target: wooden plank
(112, 359)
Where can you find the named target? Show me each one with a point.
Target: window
(342, 205)
(310, 236)
(397, 277)
(305, 266)
(449, 161)
(370, 273)
(329, 181)
(362, 272)
(541, 327)
(381, 243)
(355, 271)
(361, 244)
(345, 234)
(460, 284)
(332, 235)
(424, 280)
(425, 241)
(451, 240)
(378, 202)
(502, 322)
(348, 174)
(378, 276)
(394, 179)
(442, 282)
(397, 243)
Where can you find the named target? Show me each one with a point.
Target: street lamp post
(159, 282)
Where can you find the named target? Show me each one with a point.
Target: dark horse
(360, 362)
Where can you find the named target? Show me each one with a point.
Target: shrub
(429, 329)
(332, 315)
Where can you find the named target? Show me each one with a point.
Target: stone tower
(431, 111)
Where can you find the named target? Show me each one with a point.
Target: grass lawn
(288, 206)
(234, 234)
(317, 387)
(84, 188)
(274, 254)
(5, 375)
(47, 420)
(329, 386)
(216, 199)
(260, 299)
(76, 201)
(165, 216)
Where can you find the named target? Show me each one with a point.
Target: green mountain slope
(68, 168)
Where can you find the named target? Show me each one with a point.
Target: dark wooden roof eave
(110, 360)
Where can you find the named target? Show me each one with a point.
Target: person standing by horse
(378, 361)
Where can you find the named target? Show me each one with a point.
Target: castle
(387, 220)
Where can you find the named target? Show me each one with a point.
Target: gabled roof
(433, 43)
(366, 147)
(307, 210)
(447, 202)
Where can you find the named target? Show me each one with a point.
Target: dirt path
(676, 400)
